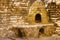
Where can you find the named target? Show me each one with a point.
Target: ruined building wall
(53, 11)
(13, 12)
(10, 11)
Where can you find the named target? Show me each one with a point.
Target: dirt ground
(42, 38)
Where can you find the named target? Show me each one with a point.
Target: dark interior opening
(41, 30)
(20, 34)
(38, 18)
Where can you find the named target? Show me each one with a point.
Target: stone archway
(37, 8)
(38, 18)
(37, 12)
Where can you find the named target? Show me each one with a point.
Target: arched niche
(37, 18)
(37, 8)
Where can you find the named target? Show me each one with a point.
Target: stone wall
(13, 12)
(53, 11)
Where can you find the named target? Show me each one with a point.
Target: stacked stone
(11, 13)
(53, 11)
(24, 6)
(7, 10)
(4, 16)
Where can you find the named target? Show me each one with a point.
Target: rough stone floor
(42, 38)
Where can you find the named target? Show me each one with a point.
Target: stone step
(28, 25)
